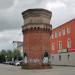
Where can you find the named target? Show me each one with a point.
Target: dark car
(11, 62)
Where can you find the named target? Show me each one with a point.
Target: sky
(11, 19)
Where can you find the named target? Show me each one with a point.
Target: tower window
(38, 27)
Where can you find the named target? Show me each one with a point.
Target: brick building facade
(62, 44)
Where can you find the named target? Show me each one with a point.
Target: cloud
(7, 37)
(62, 11)
(6, 4)
(11, 19)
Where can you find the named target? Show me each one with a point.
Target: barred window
(63, 32)
(59, 33)
(53, 47)
(52, 36)
(68, 30)
(56, 34)
(60, 45)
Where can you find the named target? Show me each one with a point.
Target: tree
(3, 55)
(17, 54)
(9, 55)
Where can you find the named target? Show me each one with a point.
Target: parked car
(18, 63)
(12, 62)
(5, 62)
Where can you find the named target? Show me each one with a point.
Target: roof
(36, 9)
(65, 23)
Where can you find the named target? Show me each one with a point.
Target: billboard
(71, 50)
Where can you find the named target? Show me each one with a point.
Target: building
(62, 44)
(18, 45)
(36, 36)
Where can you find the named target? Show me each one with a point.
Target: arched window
(46, 54)
(25, 58)
(25, 54)
(46, 58)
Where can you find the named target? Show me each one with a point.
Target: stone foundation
(36, 66)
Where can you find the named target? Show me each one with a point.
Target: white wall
(64, 59)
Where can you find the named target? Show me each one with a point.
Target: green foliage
(16, 54)
(9, 54)
(2, 56)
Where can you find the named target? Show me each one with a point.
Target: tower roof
(38, 11)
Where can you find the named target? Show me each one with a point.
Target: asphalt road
(56, 70)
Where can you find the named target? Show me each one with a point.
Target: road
(56, 70)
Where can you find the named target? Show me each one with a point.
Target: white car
(18, 63)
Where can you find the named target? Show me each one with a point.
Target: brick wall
(36, 43)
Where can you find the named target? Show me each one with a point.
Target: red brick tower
(36, 34)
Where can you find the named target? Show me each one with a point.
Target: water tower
(36, 36)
